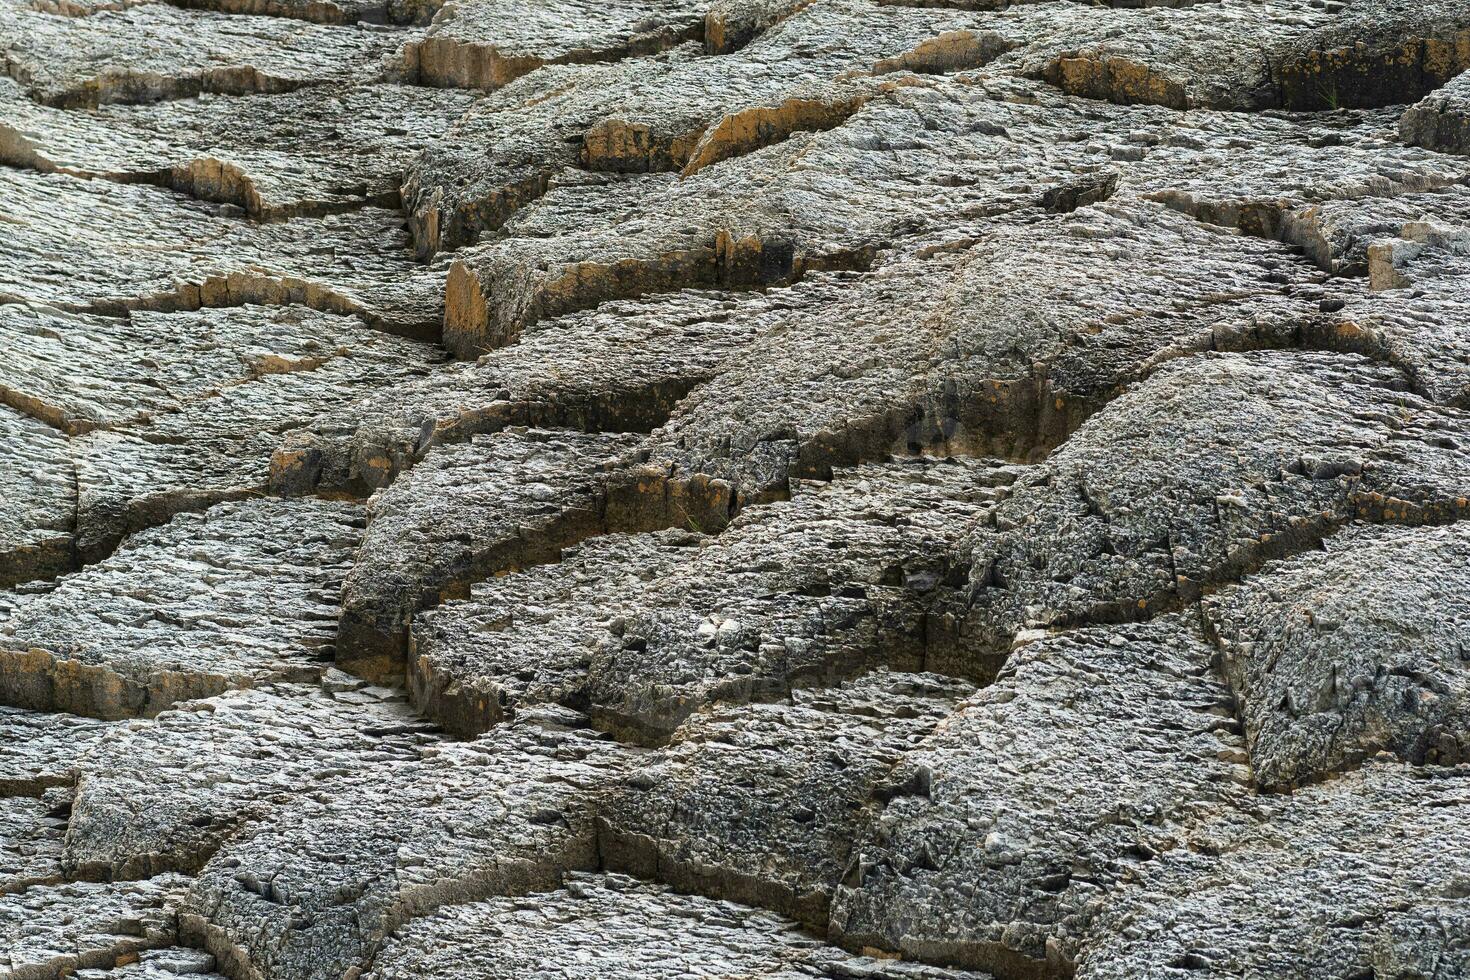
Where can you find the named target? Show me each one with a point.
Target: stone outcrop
(900, 489)
(613, 927)
(240, 594)
(98, 246)
(1441, 120)
(155, 51)
(978, 859)
(1332, 665)
(641, 630)
(314, 150)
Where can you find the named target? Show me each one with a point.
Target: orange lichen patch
(950, 51)
(751, 129)
(620, 146)
(452, 63)
(1113, 78)
(1358, 78)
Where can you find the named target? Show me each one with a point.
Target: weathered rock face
(979, 859)
(1441, 121)
(642, 630)
(762, 803)
(315, 890)
(1167, 491)
(1342, 880)
(1333, 664)
(154, 51)
(39, 483)
(481, 44)
(615, 928)
(240, 594)
(165, 796)
(904, 489)
(98, 246)
(467, 513)
(54, 931)
(314, 150)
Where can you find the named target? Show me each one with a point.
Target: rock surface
(39, 481)
(240, 594)
(54, 931)
(613, 927)
(904, 489)
(641, 630)
(314, 150)
(1333, 664)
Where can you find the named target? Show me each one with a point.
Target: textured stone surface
(166, 796)
(1024, 812)
(1441, 121)
(616, 928)
(468, 512)
(31, 832)
(109, 248)
(156, 51)
(1334, 881)
(79, 372)
(52, 932)
(748, 488)
(313, 892)
(1258, 54)
(219, 446)
(971, 353)
(242, 593)
(621, 367)
(762, 803)
(159, 964)
(1212, 466)
(642, 630)
(39, 484)
(1355, 650)
(42, 751)
(173, 412)
(679, 112)
(311, 151)
(483, 44)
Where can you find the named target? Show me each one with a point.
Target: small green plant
(1327, 93)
